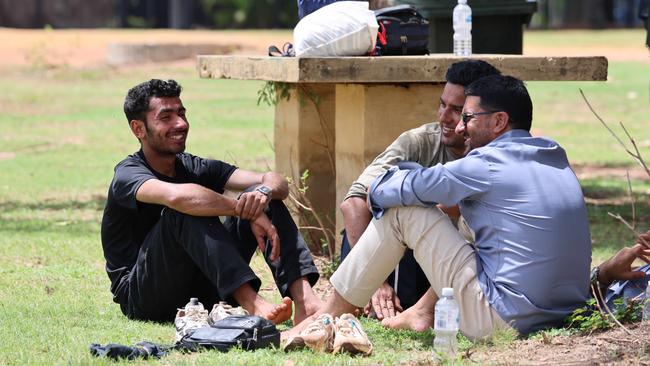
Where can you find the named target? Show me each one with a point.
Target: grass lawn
(63, 131)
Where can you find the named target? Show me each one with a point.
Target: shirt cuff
(385, 191)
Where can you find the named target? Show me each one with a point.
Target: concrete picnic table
(343, 111)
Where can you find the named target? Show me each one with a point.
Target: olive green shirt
(422, 145)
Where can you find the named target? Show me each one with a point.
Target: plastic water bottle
(193, 305)
(462, 29)
(646, 303)
(446, 323)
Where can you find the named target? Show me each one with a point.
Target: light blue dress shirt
(526, 207)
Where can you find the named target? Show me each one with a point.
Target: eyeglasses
(466, 117)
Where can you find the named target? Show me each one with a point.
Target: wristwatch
(264, 190)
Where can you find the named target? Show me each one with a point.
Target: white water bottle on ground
(194, 305)
(446, 323)
(646, 303)
(462, 19)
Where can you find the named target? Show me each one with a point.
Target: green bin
(497, 25)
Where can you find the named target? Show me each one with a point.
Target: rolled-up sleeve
(446, 184)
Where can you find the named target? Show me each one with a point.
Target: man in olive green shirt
(426, 145)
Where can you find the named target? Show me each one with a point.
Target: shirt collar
(511, 134)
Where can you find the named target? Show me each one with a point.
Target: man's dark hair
(468, 71)
(504, 93)
(136, 103)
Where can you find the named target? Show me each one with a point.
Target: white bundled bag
(344, 28)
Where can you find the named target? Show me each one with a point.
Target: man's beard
(156, 144)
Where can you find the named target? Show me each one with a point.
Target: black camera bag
(249, 332)
(402, 31)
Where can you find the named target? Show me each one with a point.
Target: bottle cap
(447, 291)
(194, 301)
(462, 2)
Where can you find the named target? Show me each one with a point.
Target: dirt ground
(614, 347)
(87, 49)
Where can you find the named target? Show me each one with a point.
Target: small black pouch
(402, 31)
(249, 332)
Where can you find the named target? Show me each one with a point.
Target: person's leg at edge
(178, 250)
(295, 272)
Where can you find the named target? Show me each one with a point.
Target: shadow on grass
(95, 202)
(73, 216)
(605, 196)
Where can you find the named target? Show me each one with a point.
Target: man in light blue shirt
(529, 265)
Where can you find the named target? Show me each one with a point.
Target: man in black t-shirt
(161, 234)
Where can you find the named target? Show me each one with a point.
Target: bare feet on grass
(255, 304)
(276, 313)
(413, 318)
(306, 309)
(306, 302)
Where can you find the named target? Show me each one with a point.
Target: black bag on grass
(402, 31)
(249, 332)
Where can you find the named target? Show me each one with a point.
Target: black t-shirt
(127, 222)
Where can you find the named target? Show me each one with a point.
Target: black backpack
(402, 31)
(249, 332)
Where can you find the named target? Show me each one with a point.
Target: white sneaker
(223, 310)
(349, 336)
(187, 321)
(319, 335)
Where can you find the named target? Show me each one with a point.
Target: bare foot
(276, 313)
(414, 318)
(255, 304)
(298, 327)
(306, 308)
(306, 302)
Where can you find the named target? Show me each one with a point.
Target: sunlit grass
(63, 131)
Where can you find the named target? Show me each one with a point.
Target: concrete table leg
(371, 116)
(304, 140)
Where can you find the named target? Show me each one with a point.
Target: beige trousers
(445, 257)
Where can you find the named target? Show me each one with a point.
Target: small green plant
(272, 92)
(313, 226)
(329, 267)
(590, 318)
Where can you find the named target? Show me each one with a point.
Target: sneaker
(187, 321)
(223, 310)
(318, 336)
(349, 336)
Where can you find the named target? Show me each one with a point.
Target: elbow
(281, 190)
(346, 206)
(353, 206)
(175, 199)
